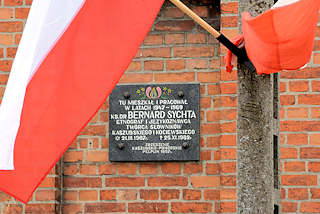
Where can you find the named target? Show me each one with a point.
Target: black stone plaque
(158, 122)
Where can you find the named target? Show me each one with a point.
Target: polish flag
(71, 55)
(281, 38)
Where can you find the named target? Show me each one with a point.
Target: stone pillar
(257, 134)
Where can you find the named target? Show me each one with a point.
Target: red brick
(205, 102)
(228, 153)
(174, 38)
(213, 141)
(197, 64)
(229, 8)
(210, 128)
(40, 208)
(201, 11)
(198, 38)
(108, 195)
(6, 39)
(153, 39)
(88, 195)
(173, 12)
(229, 21)
(125, 182)
(228, 167)
(148, 168)
(45, 195)
(135, 66)
(299, 86)
(127, 195)
(298, 194)
(211, 194)
(310, 207)
(97, 156)
(225, 207)
(228, 140)
(191, 194)
(315, 193)
(306, 73)
(295, 166)
(146, 194)
(48, 182)
(170, 194)
(143, 207)
(10, 27)
(309, 99)
(297, 139)
(153, 65)
(127, 168)
(107, 169)
(5, 65)
(228, 194)
(78, 182)
(175, 65)
(70, 195)
(171, 168)
(287, 100)
(191, 207)
(136, 78)
(229, 127)
(104, 207)
(72, 208)
(154, 52)
(12, 209)
(314, 166)
(297, 113)
(228, 101)
(205, 181)
(205, 155)
(212, 169)
(298, 180)
(315, 112)
(13, 2)
(193, 51)
(288, 207)
(315, 85)
(228, 88)
(310, 153)
(94, 130)
(21, 13)
(167, 181)
(73, 156)
(175, 77)
(4, 79)
(295, 126)
(6, 13)
(11, 52)
(174, 25)
(288, 153)
(228, 180)
(192, 168)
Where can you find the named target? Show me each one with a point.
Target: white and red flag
(71, 55)
(281, 38)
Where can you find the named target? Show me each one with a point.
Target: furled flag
(71, 55)
(281, 38)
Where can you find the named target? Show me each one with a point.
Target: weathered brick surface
(177, 50)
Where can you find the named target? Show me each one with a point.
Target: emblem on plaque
(154, 122)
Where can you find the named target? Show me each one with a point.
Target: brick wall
(177, 50)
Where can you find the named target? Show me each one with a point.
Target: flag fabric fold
(71, 55)
(282, 38)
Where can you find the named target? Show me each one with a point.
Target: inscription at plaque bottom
(159, 122)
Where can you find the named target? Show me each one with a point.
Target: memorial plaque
(159, 122)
